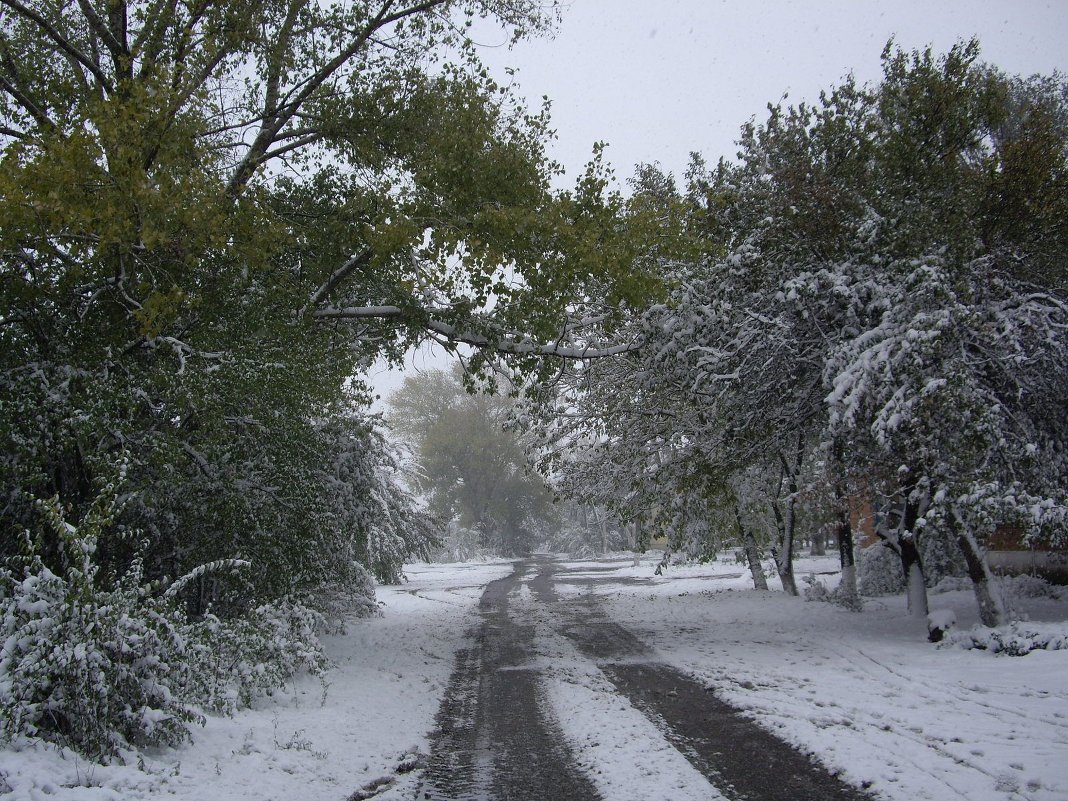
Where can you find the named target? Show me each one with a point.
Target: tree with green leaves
(215, 214)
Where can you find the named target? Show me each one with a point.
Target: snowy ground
(379, 706)
(864, 692)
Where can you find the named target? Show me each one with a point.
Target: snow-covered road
(555, 700)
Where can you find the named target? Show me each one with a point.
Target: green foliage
(184, 192)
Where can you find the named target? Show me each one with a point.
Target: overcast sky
(659, 79)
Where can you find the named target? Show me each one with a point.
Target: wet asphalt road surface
(493, 740)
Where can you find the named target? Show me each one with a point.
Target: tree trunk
(911, 563)
(991, 609)
(664, 562)
(783, 550)
(843, 530)
(847, 558)
(785, 522)
(915, 587)
(752, 554)
(819, 543)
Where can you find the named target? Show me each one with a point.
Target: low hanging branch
(506, 343)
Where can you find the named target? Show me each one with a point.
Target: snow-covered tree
(885, 316)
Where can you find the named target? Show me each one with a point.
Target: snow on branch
(509, 344)
(197, 572)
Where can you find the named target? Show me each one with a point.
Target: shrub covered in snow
(102, 666)
(816, 590)
(879, 572)
(1015, 639)
(461, 544)
(941, 559)
(952, 584)
(1013, 587)
(97, 670)
(235, 661)
(353, 597)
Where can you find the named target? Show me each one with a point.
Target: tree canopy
(216, 215)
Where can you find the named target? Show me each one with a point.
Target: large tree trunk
(911, 563)
(991, 608)
(752, 554)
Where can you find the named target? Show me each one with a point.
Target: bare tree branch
(278, 118)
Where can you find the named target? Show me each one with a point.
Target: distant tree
(472, 467)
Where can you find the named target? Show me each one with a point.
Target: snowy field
(864, 692)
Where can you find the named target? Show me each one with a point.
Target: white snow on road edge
(865, 693)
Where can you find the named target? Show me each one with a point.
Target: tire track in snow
(625, 754)
(493, 738)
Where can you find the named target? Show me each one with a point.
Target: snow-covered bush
(354, 597)
(952, 584)
(879, 569)
(1015, 639)
(816, 590)
(233, 662)
(98, 674)
(941, 559)
(461, 544)
(1014, 587)
(1011, 587)
(879, 572)
(101, 666)
(95, 670)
